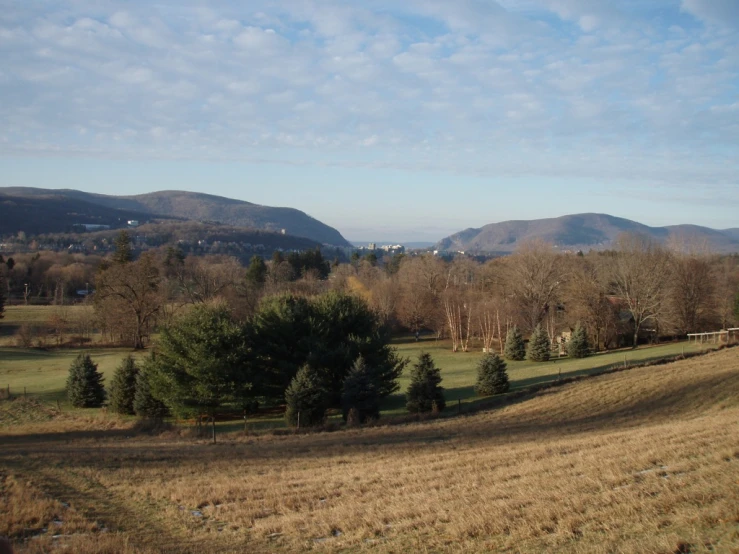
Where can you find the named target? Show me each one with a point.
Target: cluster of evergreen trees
(314, 354)
(330, 351)
(129, 391)
(539, 347)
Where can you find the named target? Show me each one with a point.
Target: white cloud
(551, 87)
(719, 12)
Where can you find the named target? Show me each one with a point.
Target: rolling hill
(190, 206)
(580, 232)
(36, 215)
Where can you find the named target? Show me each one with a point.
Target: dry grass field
(645, 460)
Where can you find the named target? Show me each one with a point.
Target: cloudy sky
(388, 120)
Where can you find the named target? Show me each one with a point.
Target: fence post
(298, 420)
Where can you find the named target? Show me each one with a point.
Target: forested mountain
(182, 205)
(581, 232)
(37, 215)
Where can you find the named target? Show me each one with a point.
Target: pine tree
(256, 273)
(123, 252)
(515, 349)
(85, 383)
(123, 387)
(360, 392)
(305, 399)
(539, 346)
(578, 346)
(144, 402)
(425, 392)
(492, 377)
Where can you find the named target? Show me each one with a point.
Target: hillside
(643, 460)
(579, 232)
(201, 207)
(36, 215)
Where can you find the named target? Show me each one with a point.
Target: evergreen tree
(492, 377)
(328, 332)
(305, 399)
(515, 349)
(256, 273)
(202, 362)
(360, 392)
(144, 402)
(123, 387)
(85, 383)
(578, 346)
(425, 391)
(123, 252)
(539, 346)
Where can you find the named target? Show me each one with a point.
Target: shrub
(359, 393)
(425, 392)
(305, 399)
(539, 346)
(515, 349)
(25, 336)
(123, 387)
(85, 383)
(578, 346)
(492, 377)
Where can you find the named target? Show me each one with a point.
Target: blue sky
(387, 120)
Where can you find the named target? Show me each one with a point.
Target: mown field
(38, 319)
(644, 460)
(43, 372)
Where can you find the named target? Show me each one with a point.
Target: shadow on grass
(670, 402)
(25, 354)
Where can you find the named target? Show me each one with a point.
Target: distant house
(133, 223)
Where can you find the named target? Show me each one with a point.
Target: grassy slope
(639, 461)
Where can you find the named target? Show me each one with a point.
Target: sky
(391, 121)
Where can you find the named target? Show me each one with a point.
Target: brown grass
(646, 460)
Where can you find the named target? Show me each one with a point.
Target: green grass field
(458, 369)
(43, 373)
(37, 317)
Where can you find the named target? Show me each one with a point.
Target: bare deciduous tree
(586, 300)
(128, 298)
(639, 272)
(691, 292)
(534, 274)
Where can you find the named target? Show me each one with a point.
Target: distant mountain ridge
(580, 232)
(198, 207)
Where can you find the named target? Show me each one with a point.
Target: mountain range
(37, 210)
(581, 232)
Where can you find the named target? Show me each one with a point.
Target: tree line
(638, 291)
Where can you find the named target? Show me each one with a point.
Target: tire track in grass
(141, 522)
